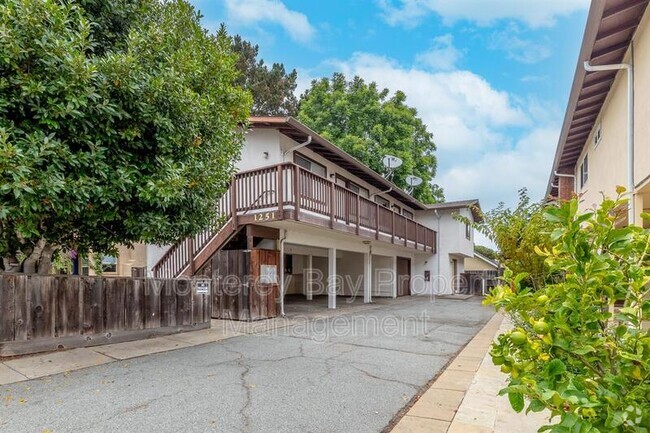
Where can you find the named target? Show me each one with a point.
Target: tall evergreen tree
(272, 89)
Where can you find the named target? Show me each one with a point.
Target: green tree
(581, 345)
(516, 232)
(369, 123)
(487, 252)
(273, 89)
(119, 123)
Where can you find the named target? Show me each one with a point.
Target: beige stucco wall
(478, 264)
(608, 160)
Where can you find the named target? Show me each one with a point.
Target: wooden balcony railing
(287, 191)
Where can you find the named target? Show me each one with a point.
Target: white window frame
(311, 163)
(598, 135)
(584, 171)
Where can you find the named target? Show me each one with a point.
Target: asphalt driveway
(345, 373)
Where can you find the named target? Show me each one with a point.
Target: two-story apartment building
(605, 138)
(312, 219)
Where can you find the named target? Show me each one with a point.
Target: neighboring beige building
(592, 154)
(480, 263)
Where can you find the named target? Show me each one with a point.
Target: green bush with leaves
(120, 122)
(516, 232)
(580, 347)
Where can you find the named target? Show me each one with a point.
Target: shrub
(573, 351)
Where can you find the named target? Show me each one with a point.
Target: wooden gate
(403, 276)
(246, 284)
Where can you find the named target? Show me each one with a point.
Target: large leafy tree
(369, 123)
(273, 89)
(119, 123)
(516, 232)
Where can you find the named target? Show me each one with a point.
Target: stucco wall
(608, 160)
(477, 264)
(452, 244)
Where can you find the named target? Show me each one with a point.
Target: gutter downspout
(284, 238)
(381, 192)
(575, 181)
(629, 67)
(435, 212)
(297, 147)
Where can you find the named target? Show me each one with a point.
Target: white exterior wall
(452, 244)
(275, 144)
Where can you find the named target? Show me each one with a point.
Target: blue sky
(490, 78)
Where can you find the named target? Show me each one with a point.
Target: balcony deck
(289, 192)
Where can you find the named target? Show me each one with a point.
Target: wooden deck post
(392, 226)
(358, 213)
(280, 194)
(332, 206)
(377, 221)
(233, 201)
(296, 192)
(190, 247)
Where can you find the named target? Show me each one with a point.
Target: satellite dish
(413, 181)
(391, 162)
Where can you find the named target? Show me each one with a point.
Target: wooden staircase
(188, 255)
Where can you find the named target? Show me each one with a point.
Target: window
(396, 209)
(584, 171)
(310, 165)
(468, 231)
(364, 192)
(598, 135)
(407, 213)
(382, 201)
(109, 264)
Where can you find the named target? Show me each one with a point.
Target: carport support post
(310, 270)
(395, 277)
(367, 278)
(331, 278)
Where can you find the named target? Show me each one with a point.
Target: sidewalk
(463, 399)
(47, 364)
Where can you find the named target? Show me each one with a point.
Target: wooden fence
(48, 312)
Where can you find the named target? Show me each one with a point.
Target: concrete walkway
(463, 399)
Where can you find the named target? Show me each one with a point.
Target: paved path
(350, 372)
(464, 398)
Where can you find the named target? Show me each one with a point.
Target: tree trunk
(40, 259)
(45, 262)
(11, 264)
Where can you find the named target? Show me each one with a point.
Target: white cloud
(521, 50)
(442, 55)
(527, 164)
(535, 13)
(459, 107)
(473, 125)
(249, 12)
